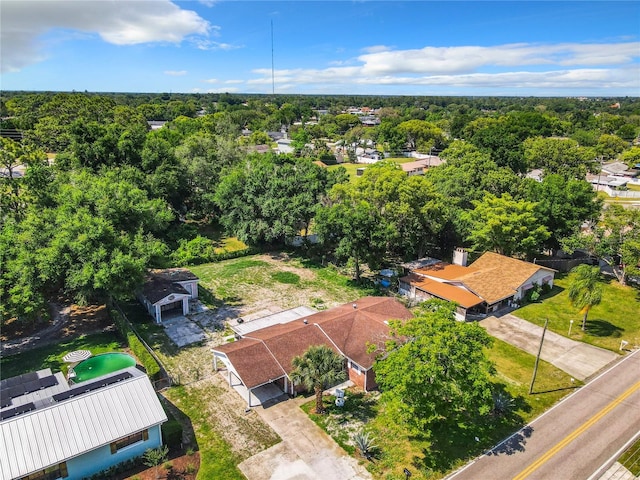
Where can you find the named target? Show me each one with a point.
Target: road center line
(573, 435)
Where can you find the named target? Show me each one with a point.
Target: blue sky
(539, 48)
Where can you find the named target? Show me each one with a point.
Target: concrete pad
(617, 471)
(265, 394)
(183, 331)
(306, 451)
(578, 359)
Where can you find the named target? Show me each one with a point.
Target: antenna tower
(273, 78)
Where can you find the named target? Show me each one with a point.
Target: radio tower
(273, 78)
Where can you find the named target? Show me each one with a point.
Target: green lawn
(352, 167)
(218, 459)
(631, 458)
(615, 319)
(285, 282)
(431, 457)
(50, 356)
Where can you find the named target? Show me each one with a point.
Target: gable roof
(59, 430)
(494, 276)
(491, 278)
(445, 291)
(266, 354)
(160, 284)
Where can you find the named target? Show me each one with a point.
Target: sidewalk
(578, 359)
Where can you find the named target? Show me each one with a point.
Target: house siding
(101, 458)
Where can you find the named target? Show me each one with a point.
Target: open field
(615, 319)
(352, 167)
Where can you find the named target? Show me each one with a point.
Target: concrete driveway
(305, 453)
(578, 359)
(182, 331)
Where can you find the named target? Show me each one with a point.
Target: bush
(172, 433)
(148, 362)
(193, 252)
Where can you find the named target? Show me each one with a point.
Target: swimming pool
(102, 364)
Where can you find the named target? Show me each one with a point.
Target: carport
(253, 388)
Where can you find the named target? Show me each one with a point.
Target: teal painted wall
(101, 458)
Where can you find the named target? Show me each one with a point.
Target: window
(357, 368)
(50, 473)
(129, 440)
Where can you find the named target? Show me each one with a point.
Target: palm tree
(585, 289)
(318, 368)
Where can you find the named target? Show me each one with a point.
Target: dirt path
(68, 321)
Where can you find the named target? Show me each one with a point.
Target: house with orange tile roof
(491, 282)
(264, 356)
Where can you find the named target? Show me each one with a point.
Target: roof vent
(355, 306)
(305, 321)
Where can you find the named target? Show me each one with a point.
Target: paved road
(573, 440)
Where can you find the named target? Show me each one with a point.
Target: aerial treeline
(104, 197)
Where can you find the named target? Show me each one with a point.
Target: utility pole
(535, 368)
(273, 80)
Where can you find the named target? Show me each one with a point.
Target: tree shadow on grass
(602, 328)
(466, 437)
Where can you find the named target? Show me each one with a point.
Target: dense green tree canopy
(436, 370)
(563, 205)
(559, 156)
(505, 225)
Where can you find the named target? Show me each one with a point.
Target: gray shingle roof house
(168, 290)
(54, 430)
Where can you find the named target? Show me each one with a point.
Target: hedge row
(136, 346)
(148, 362)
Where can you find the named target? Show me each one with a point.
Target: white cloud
(376, 49)
(211, 80)
(119, 23)
(560, 66)
(175, 73)
(206, 44)
(233, 82)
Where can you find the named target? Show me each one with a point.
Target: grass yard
(631, 458)
(352, 167)
(225, 434)
(451, 446)
(615, 319)
(276, 282)
(50, 356)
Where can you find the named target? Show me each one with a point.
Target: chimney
(460, 257)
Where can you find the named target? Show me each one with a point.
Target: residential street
(574, 439)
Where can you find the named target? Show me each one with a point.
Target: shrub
(365, 444)
(139, 350)
(193, 252)
(502, 403)
(172, 433)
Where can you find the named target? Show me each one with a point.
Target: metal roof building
(79, 429)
